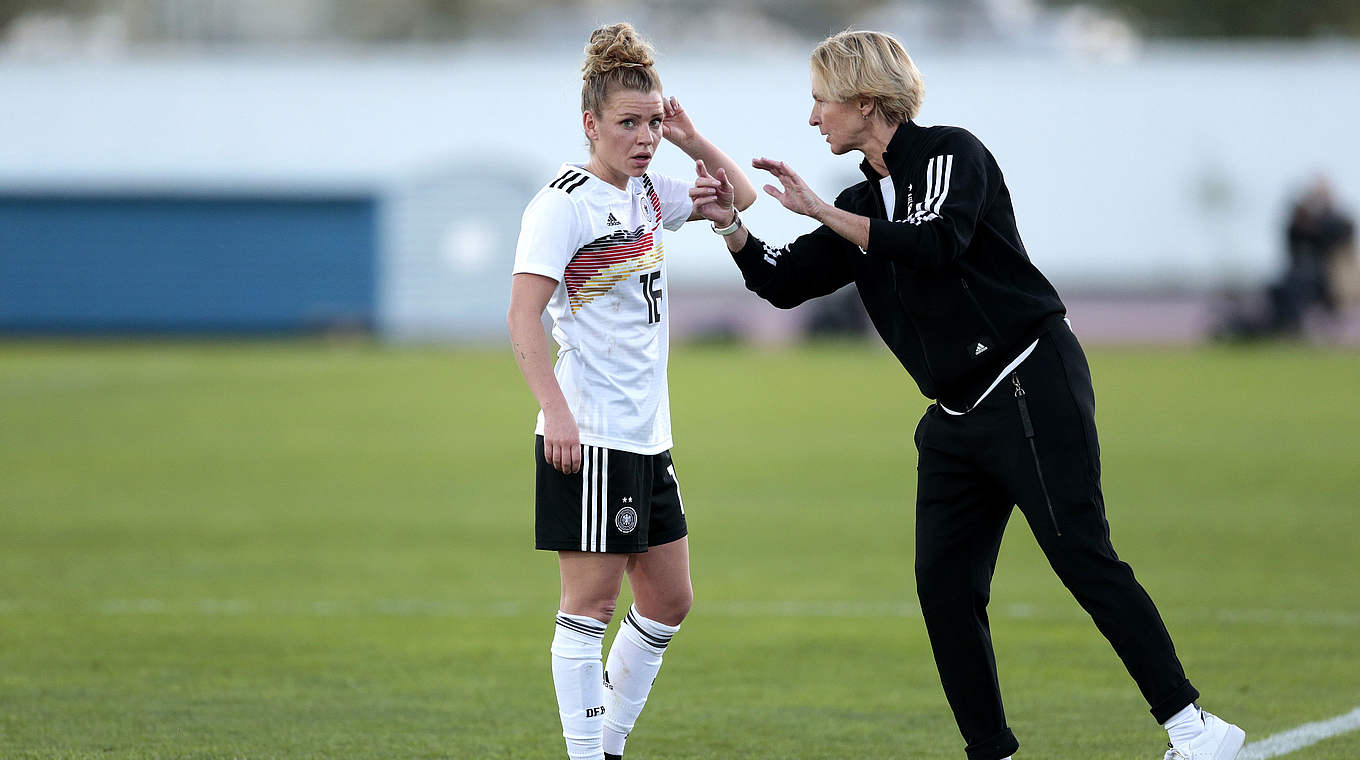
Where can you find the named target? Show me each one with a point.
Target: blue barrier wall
(117, 263)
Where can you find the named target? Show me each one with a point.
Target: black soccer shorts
(618, 503)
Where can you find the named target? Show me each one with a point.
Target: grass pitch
(315, 550)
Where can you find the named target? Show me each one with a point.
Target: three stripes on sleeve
(938, 172)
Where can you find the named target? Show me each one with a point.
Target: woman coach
(930, 241)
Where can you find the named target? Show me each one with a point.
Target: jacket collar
(899, 151)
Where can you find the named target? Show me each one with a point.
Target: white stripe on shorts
(671, 469)
(588, 495)
(585, 494)
(593, 543)
(604, 498)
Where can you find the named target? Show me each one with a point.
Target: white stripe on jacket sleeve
(939, 171)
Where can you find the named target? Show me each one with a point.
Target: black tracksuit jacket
(946, 281)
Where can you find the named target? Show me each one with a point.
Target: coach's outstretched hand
(713, 195)
(796, 196)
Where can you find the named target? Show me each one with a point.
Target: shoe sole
(1232, 743)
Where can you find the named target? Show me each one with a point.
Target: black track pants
(972, 469)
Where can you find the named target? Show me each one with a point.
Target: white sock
(580, 691)
(634, 659)
(1185, 725)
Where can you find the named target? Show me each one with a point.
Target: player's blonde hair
(870, 65)
(616, 58)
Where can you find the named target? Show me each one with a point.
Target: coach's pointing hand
(796, 195)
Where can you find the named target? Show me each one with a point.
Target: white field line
(1297, 738)
(766, 608)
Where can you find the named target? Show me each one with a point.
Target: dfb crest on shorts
(626, 520)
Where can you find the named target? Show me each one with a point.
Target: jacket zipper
(925, 355)
(977, 305)
(1029, 436)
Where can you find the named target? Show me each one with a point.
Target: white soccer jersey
(603, 246)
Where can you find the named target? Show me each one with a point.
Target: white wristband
(731, 228)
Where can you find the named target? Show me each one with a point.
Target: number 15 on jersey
(651, 292)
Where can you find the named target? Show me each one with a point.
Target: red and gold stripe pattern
(606, 261)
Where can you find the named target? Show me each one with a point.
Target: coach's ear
(592, 130)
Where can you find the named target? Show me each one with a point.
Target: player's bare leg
(660, 582)
(591, 583)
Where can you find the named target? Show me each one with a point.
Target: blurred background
(1182, 170)
(265, 481)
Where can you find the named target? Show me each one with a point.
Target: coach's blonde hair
(616, 58)
(870, 65)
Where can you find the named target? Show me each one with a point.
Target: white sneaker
(1221, 740)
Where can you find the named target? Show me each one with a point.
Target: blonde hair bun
(617, 58)
(615, 46)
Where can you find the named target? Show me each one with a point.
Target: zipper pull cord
(1024, 408)
(1029, 436)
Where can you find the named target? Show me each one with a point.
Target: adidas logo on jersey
(978, 351)
(612, 222)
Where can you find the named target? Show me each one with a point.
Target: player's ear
(588, 122)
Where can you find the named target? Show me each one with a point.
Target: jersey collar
(900, 150)
(626, 192)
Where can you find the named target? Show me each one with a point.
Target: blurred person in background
(590, 253)
(1319, 243)
(930, 241)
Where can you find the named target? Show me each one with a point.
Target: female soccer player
(930, 241)
(590, 251)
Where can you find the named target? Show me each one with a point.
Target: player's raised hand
(795, 195)
(562, 441)
(676, 125)
(713, 195)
